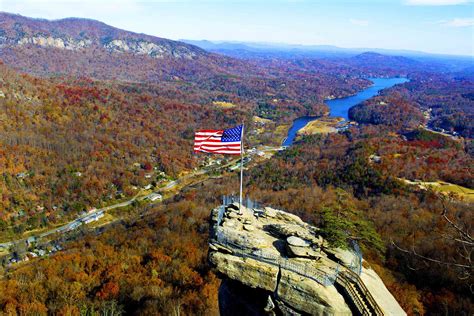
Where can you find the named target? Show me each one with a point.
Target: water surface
(340, 107)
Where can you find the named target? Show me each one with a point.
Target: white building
(154, 196)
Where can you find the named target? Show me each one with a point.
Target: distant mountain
(263, 50)
(311, 49)
(376, 61)
(75, 33)
(249, 50)
(91, 48)
(85, 48)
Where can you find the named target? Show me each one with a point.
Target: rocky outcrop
(289, 267)
(149, 48)
(78, 34)
(137, 47)
(56, 42)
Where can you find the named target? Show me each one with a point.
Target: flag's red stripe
(217, 143)
(209, 141)
(217, 146)
(219, 152)
(210, 132)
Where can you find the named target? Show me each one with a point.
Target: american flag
(228, 141)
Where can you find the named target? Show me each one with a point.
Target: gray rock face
(297, 242)
(79, 34)
(258, 259)
(303, 252)
(309, 233)
(249, 228)
(345, 256)
(56, 42)
(308, 296)
(298, 247)
(245, 270)
(148, 48)
(114, 46)
(280, 256)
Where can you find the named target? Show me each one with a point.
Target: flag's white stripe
(208, 137)
(221, 151)
(208, 133)
(210, 141)
(218, 143)
(216, 148)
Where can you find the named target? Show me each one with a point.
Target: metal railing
(220, 214)
(362, 289)
(305, 270)
(344, 275)
(247, 202)
(356, 264)
(353, 294)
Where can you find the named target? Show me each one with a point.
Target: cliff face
(276, 255)
(88, 48)
(76, 34)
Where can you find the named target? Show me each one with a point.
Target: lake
(340, 107)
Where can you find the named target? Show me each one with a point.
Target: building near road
(93, 217)
(155, 196)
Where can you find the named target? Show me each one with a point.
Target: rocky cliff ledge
(273, 263)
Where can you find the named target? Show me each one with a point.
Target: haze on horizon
(433, 26)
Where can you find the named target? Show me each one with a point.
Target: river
(340, 107)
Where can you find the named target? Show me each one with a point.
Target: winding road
(78, 221)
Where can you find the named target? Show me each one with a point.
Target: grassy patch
(446, 188)
(324, 125)
(223, 104)
(258, 119)
(281, 132)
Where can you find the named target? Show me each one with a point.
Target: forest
(72, 144)
(83, 129)
(409, 221)
(155, 263)
(445, 98)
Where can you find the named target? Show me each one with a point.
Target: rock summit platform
(276, 254)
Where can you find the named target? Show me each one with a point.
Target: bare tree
(459, 235)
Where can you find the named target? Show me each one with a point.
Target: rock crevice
(276, 253)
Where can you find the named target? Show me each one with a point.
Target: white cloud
(359, 22)
(458, 22)
(436, 2)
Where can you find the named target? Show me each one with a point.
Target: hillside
(76, 33)
(92, 48)
(87, 48)
(94, 119)
(70, 145)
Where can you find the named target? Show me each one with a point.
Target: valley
(104, 206)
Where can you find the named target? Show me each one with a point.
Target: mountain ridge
(283, 47)
(76, 33)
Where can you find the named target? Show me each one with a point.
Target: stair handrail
(356, 278)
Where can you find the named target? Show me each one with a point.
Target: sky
(435, 26)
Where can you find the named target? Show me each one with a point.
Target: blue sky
(439, 26)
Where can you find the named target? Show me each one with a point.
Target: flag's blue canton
(232, 134)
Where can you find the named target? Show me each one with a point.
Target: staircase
(358, 294)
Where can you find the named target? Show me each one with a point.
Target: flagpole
(241, 167)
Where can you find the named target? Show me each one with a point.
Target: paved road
(71, 225)
(171, 184)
